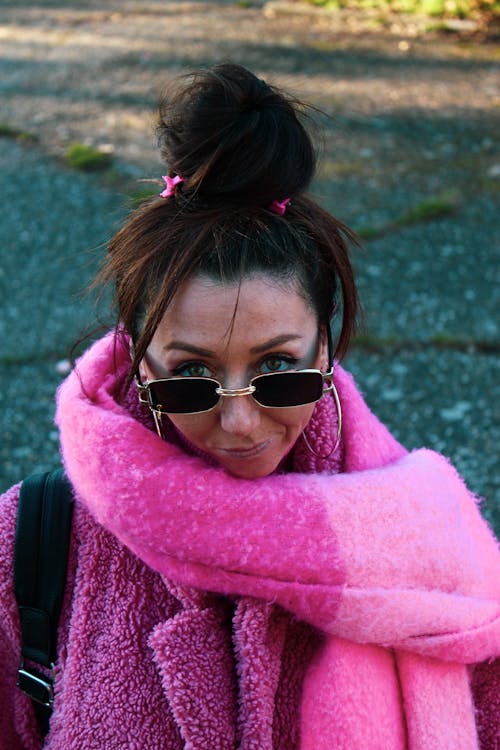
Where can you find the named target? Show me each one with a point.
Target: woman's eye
(192, 370)
(277, 364)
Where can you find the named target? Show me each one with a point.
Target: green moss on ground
(87, 158)
(463, 9)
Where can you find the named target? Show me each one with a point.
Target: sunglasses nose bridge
(232, 392)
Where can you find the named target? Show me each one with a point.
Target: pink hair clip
(170, 182)
(279, 207)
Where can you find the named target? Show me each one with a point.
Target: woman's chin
(252, 468)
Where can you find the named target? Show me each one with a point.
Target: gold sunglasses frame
(145, 396)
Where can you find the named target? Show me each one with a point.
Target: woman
(256, 562)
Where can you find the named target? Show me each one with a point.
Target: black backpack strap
(40, 565)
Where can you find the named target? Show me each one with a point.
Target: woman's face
(273, 330)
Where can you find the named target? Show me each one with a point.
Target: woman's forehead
(209, 313)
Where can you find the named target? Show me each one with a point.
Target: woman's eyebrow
(185, 347)
(277, 341)
(270, 344)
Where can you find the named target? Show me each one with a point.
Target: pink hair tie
(170, 182)
(279, 207)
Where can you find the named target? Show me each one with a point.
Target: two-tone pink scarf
(390, 553)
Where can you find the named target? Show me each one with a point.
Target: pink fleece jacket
(301, 610)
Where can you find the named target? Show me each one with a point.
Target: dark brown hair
(239, 144)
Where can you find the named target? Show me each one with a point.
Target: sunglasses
(275, 390)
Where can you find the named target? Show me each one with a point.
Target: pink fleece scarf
(390, 553)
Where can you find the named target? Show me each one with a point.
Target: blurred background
(409, 143)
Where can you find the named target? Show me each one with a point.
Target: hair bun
(234, 138)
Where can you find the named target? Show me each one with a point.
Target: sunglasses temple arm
(143, 393)
(157, 419)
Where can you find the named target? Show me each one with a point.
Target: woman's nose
(239, 415)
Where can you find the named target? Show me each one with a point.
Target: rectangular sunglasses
(275, 390)
(280, 390)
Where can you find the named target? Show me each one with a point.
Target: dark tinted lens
(183, 396)
(288, 388)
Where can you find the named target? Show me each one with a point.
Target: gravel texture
(407, 116)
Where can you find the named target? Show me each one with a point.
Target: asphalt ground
(427, 357)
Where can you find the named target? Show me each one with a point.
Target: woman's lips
(242, 452)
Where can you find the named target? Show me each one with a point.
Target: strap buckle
(36, 685)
